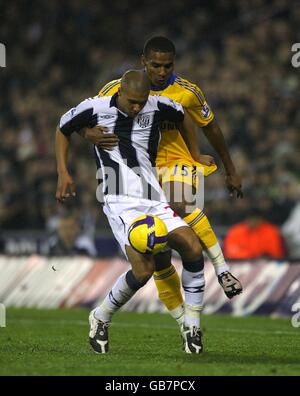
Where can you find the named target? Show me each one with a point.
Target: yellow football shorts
(184, 172)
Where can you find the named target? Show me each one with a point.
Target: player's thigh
(178, 171)
(186, 243)
(180, 181)
(181, 197)
(142, 264)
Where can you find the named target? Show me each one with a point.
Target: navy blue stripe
(81, 120)
(124, 129)
(114, 188)
(198, 289)
(168, 113)
(154, 138)
(114, 301)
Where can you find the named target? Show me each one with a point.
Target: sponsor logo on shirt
(205, 111)
(106, 116)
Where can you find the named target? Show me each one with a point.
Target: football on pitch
(148, 234)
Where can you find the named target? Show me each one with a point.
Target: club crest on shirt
(143, 120)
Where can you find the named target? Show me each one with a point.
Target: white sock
(193, 315)
(193, 284)
(178, 314)
(116, 298)
(216, 256)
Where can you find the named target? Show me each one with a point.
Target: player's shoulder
(158, 100)
(95, 101)
(110, 87)
(95, 104)
(185, 83)
(192, 92)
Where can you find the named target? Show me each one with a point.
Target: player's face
(159, 67)
(132, 102)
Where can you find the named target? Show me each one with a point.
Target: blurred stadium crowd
(238, 52)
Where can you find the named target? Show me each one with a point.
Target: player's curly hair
(159, 44)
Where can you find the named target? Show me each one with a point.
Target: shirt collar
(170, 81)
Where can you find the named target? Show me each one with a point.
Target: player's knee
(133, 282)
(195, 266)
(143, 276)
(179, 208)
(162, 260)
(186, 243)
(195, 248)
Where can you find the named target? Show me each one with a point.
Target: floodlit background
(52, 256)
(59, 53)
(238, 52)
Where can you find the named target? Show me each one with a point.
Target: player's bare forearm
(62, 144)
(216, 138)
(65, 185)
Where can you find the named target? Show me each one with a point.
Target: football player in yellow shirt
(179, 162)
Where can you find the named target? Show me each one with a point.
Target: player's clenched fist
(205, 159)
(234, 184)
(65, 187)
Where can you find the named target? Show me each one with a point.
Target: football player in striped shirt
(179, 162)
(130, 189)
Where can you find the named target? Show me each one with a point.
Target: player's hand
(234, 184)
(65, 187)
(205, 159)
(99, 136)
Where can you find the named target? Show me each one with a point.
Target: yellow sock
(168, 285)
(202, 228)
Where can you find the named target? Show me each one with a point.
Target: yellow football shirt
(172, 147)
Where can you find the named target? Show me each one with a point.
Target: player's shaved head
(135, 81)
(134, 91)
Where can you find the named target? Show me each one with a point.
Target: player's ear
(143, 60)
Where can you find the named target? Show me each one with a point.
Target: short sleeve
(78, 117)
(197, 106)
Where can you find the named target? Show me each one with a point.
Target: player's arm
(73, 121)
(97, 135)
(204, 117)
(216, 138)
(188, 131)
(65, 185)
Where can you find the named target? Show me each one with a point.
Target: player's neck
(119, 106)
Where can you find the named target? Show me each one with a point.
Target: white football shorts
(122, 211)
